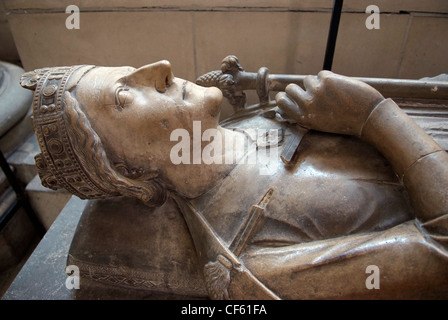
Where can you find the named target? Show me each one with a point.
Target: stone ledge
(46, 203)
(397, 6)
(22, 160)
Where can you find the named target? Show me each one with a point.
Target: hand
(330, 103)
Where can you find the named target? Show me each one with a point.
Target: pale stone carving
(343, 180)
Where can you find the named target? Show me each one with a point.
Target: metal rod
(332, 34)
(10, 175)
(9, 213)
(21, 197)
(389, 88)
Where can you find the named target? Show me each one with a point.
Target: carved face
(134, 111)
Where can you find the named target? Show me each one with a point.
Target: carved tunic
(337, 187)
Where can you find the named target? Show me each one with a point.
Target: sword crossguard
(232, 80)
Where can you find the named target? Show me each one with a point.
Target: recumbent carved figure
(363, 185)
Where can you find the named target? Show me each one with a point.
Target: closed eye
(122, 97)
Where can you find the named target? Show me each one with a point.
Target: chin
(213, 101)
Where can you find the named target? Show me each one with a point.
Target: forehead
(100, 81)
(104, 76)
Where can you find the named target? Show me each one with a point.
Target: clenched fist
(330, 103)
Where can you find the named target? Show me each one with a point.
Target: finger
(297, 94)
(325, 74)
(311, 83)
(288, 105)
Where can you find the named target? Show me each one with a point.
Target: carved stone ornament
(217, 278)
(226, 80)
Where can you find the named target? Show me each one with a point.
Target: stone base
(126, 244)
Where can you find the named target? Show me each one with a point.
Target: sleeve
(420, 163)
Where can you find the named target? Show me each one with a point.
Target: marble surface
(42, 276)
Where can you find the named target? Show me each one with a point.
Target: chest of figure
(335, 186)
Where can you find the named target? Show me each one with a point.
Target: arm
(417, 159)
(343, 105)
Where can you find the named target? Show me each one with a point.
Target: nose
(163, 75)
(158, 75)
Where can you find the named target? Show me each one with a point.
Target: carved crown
(59, 165)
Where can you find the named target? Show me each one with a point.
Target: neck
(218, 157)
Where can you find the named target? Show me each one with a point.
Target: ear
(158, 75)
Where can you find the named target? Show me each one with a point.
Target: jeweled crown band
(58, 165)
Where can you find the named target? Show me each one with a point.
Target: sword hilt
(233, 80)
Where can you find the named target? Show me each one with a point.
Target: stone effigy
(302, 197)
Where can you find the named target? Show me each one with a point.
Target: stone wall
(8, 50)
(287, 36)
